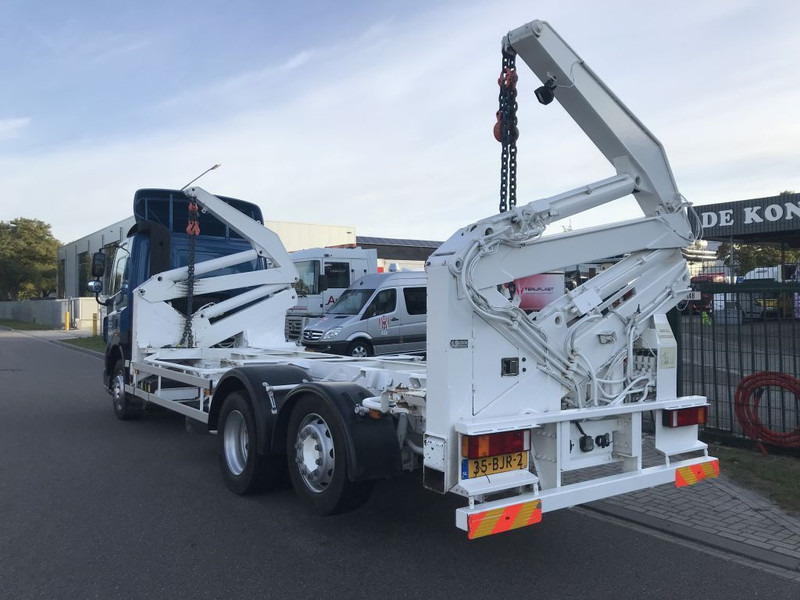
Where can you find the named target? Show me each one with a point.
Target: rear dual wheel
(317, 457)
(244, 470)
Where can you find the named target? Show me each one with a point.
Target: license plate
(489, 465)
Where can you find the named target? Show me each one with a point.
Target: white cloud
(391, 132)
(11, 128)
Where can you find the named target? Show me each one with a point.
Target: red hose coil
(747, 401)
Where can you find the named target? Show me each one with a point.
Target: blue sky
(375, 114)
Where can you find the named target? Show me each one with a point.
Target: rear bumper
(502, 515)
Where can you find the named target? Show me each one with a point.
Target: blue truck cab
(157, 242)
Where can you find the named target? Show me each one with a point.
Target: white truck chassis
(510, 405)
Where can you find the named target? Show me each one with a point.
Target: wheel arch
(251, 380)
(369, 346)
(359, 335)
(113, 353)
(373, 451)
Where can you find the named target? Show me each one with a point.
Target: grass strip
(95, 343)
(774, 475)
(23, 325)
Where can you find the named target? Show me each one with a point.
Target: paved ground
(715, 513)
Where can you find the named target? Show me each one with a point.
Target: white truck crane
(519, 413)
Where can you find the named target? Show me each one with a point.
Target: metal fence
(83, 313)
(735, 331)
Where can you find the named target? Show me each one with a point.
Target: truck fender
(266, 403)
(113, 353)
(373, 451)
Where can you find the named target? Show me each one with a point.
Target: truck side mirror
(95, 286)
(323, 283)
(98, 264)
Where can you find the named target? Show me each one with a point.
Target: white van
(382, 313)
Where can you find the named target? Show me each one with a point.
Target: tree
(749, 256)
(27, 259)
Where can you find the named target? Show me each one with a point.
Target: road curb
(701, 537)
(61, 341)
(65, 344)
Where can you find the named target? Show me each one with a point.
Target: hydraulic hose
(747, 401)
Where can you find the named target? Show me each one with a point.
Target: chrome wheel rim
(315, 453)
(360, 351)
(118, 392)
(235, 441)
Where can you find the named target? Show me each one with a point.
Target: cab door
(116, 327)
(337, 280)
(382, 322)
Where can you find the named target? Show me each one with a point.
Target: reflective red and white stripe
(499, 520)
(691, 475)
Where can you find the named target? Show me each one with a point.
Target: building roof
(398, 248)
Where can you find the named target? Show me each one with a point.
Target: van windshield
(351, 302)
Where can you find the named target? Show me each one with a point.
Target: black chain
(192, 229)
(508, 132)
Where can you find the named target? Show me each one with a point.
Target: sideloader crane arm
(613, 128)
(258, 306)
(595, 347)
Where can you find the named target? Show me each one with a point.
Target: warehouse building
(75, 258)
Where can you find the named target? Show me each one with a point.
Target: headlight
(332, 333)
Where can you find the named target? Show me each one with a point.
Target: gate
(737, 331)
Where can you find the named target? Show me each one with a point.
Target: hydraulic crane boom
(615, 130)
(604, 344)
(260, 310)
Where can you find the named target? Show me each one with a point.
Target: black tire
(317, 457)
(359, 348)
(126, 407)
(244, 470)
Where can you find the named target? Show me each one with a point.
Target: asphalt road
(91, 507)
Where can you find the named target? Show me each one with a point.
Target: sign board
(773, 215)
(537, 291)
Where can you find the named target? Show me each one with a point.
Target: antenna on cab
(216, 166)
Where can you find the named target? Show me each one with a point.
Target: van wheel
(359, 348)
(317, 457)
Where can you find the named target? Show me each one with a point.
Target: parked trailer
(510, 405)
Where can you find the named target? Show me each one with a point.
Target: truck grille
(311, 335)
(294, 326)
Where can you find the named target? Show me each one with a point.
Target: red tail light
(696, 415)
(493, 444)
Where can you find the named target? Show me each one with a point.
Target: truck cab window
(308, 270)
(338, 274)
(118, 272)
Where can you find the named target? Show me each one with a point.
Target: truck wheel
(244, 470)
(124, 409)
(318, 459)
(359, 348)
